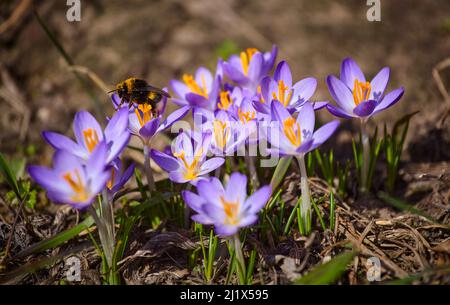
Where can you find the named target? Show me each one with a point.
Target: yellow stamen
(231, 210)
(261, 98)
(194, 86)
(281, 97)
(190, 170)
(246, 56)
(81, 194)
(90, 138)
(361, 91)
(293, 134)
(145, 114)
(110, 183)
(225, 100)
(221, 133)
(245, 117)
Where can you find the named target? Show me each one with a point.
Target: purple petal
(59, 141)
(255, 67)
(305, 146)
(236, 189)
(149, 129)
(351, 71)
(203, 77)
(225, 230)
(193, 200)
(211, 165)
(197, 100)
(338, 112)
(306, 119)
(179, 88)
(323, 133)
(365, 108)
(234, 74)
(166, 162)
(97, 160)
(210, 192)
(203, 219)
(341, 94)
(258, 199)
(84, 121)
(390, 99)
(117, 124)
(177, 177)
(119, 143)
(174, 117)
(283, 72)
(319, 105)
(305, 88)
(48, 179)
(379, 83)
(98, 183)
(248, 220)
(279, 113)
(269, 59)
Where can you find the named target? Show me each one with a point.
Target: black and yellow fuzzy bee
(134, 90)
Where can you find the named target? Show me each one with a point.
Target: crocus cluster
(229, 106)
(87, 167)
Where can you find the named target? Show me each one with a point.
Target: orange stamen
(281, 97)
(246, 56)
(231, 210)
(245, 117)
(361, 91)
(293, 134)
(77, 186)
(194, 86)
(225, 100)
(90, 138)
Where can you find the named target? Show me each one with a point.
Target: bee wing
(152, 89)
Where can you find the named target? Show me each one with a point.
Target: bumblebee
(138, 91)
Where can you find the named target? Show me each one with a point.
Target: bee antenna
(112, 91)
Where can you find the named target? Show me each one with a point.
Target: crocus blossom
(188, 162)
(88, 133)
(200, 90)
(356, 97)
(229, 208)
(72, 181)
(145, 123)
(226, 135)
(280, 88)
(249, 67)
(295, 136)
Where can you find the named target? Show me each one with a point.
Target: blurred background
(160, 40)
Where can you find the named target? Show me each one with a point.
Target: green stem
(252, 170)
(306, 194)
(148, 169)
(236, 242)
(365, 157)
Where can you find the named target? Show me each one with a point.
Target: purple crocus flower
(229, 208)
(296, 136)
(357, 97)
(88, 134)
(281, 89)
(249, 67)
(200, 90)
(145, 123)
(227, 133)
(188, 160)
(72, 181)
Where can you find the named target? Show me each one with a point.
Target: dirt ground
(160, 40)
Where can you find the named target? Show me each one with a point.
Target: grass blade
(57, 239)
(329, 272)
(9, 176)
(280, 171)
